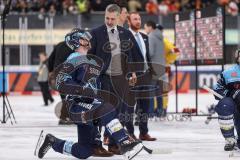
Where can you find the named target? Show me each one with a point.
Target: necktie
(112, 30)
(139, 42)
(141, 48)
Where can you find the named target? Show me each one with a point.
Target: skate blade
(40, 139)
(134, 152)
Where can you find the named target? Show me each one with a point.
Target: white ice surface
(188, 140)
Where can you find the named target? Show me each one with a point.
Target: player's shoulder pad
(232, 74)
(73, 55)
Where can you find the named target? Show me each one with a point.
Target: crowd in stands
(162, 7)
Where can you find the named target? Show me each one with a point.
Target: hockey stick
(150, 151)
(212, 91)
(157, 150)
(209, 118)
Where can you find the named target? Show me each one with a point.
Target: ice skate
(131, 148)
(229, 144)
(46, 145)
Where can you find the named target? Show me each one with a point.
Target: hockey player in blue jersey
(78, 40)
(228, 108)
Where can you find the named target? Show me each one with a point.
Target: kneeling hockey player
(78, 40)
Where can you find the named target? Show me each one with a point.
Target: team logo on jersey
(234, 74)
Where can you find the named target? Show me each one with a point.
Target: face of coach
(134, 21)
(112, 15)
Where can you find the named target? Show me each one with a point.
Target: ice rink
(190, 139)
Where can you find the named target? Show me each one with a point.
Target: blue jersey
(85, 73)
(229, 81)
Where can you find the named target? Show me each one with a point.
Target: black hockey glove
(235, 94)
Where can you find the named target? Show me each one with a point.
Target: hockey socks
(225, 109)
(115, 128)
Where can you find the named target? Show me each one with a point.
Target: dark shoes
(105, 140)
(114, 149)
(99, 151)
(146, 137)
(65, 122)
(134, 137)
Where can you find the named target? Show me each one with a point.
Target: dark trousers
(156, 111)
(237, 122)
(119, 86)
(83, 148)
(45, 92)
(142, 107)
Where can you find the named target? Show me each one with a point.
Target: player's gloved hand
(92, 83)
(83, 100)
(235, 94)
(97, 122)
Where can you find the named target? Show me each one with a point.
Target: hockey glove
(235, 94)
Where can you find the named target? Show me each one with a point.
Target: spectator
(83, 6)
(156, 51)
(52, 10)
(134, 5)
(174, 6)
(73, 8)
(163, 8)
(1, 6)
(34, 7)
(43, 79)
(152, 7)
(232, 8)
(64, 8)
(41, 13)
(97, 5)
(22, 6)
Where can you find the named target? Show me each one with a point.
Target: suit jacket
(100, 46)
(137, 55)
(59, 54)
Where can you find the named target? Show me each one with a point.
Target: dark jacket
(100, 41)
(137, 53)
(59, 54)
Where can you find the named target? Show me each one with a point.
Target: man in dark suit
(59, 54)
(113, 44)
(141, 54)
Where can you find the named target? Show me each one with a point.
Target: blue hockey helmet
(72, 39)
